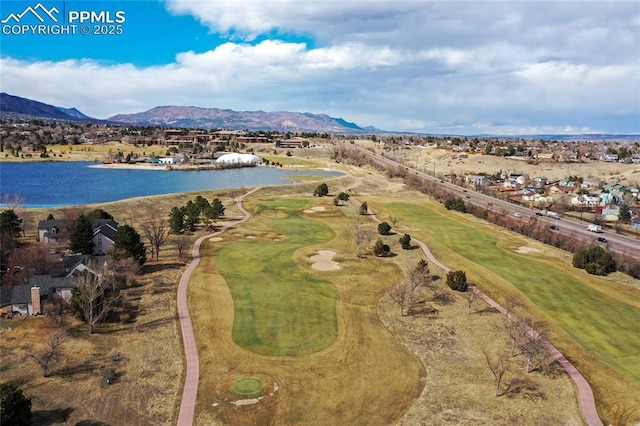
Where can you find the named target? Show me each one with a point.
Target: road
(614, 242)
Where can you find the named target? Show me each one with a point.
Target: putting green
(250, 387)
(605, 326)
(278, 308)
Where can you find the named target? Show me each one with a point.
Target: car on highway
(516, 214)
(602, 239)
(555, 227)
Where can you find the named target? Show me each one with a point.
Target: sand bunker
(323, 261)
(314, 209)
(251, 237)
(214, 239)
(527, 250)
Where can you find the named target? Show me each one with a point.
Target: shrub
(321, 190)
(457, 280)
(384, 228)
(343, 196)
(455, 203)
(381, 249)
(594, 260)
(405, 241)
(364, 208)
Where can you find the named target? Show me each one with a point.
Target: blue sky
(501, 67)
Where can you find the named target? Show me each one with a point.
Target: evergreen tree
(10, 223)
(15, 408)
(176, 220)
(127, 243)
(81, 235)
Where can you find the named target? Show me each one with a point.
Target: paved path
(192, 375)
(585, 393)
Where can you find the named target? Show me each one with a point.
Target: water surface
(54, 184)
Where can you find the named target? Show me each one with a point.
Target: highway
(614, 242)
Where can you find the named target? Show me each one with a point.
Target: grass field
(280, 309)
(604, 325)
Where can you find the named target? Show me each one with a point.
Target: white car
(516, 214)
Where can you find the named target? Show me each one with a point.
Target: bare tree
(157, 232)
(48, 356)
(183, 242)
(362, 236)
(471, 297)
(94, 294)
(532, 343)
(499, 365)
(402, 294)
(512, 303)
(394, 221)
(420, 276)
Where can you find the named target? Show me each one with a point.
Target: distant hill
(73, 112)
(16, 105)
(209, 118)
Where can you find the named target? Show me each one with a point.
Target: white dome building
(235, 158)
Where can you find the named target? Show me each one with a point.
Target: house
(478, 180)
(104, 232)
(635, 222)
(609, 158)
(51, 231)
(170, 161)
(29, 299)
(611, 214)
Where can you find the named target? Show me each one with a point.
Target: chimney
(35, 301)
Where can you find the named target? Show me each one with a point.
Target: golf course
(316, 341)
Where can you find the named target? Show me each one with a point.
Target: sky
(466, 68)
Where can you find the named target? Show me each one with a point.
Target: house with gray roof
(30, 298)
(104, 232)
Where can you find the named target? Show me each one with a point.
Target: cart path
(585, 393)
(192, 374)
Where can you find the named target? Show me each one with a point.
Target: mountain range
(188, 117)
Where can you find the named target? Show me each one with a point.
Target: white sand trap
(323, 261)
(214, 239)
(318, 208)
(308, 211)
(527, 250)
(251, 237)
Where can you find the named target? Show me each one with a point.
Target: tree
(594, 260)
(364, 209)
(532, 343)
(499, 365)
(94, 294)
(380, 248)
(176, 220)
(362, 236)
(126, 243)
(405, 241)
(624, 213)
(191, 213)
(420, 275)
(321, 190)
(15, 408)
(384, 228)
(182, 243)
(403, 295)
(157, 232)
(25, 262)
(471, 297)
(46, 357)
(457, 280)
(343, 196)
(81, 235)
(10, 223)
(217, 208)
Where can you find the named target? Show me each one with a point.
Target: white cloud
(490, 67)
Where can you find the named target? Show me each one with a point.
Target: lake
(56, 184)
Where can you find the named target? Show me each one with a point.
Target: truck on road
(594, 228)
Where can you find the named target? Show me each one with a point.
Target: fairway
(278, 308)
(606, 326)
